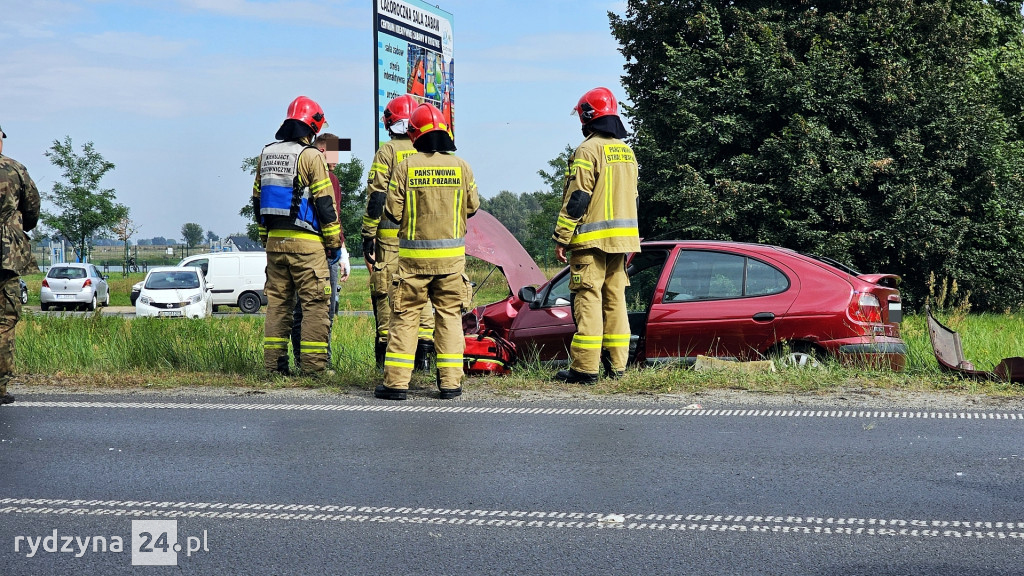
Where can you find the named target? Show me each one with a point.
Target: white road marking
(732, 413)
(977, 530)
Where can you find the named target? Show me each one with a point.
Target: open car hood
(489, 240)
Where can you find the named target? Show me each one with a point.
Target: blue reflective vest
(280, 191)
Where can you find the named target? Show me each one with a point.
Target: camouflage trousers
(302, 278)
(10, 312)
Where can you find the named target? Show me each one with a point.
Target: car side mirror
(528, 294)
(106, 276)
(209, 286)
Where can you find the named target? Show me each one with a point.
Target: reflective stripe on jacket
(431, 195)
(388, 156)
(605, 169)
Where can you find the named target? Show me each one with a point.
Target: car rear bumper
(47, 296)
(879, 352)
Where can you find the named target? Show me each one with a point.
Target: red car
(688, 298)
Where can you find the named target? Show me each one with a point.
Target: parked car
(239, 276)
(174, 292)
(687, 298)
(24, 291)
(74, 285)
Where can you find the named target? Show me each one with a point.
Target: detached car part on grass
(728, 300)
(950, 355)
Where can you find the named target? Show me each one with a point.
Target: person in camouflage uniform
(19, 213)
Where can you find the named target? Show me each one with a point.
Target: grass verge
(115, 352)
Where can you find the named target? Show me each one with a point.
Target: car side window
(707, 275)
(559, 293)
(203, 264)
(763, 279)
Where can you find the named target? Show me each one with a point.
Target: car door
(546, 326)
(102, 288)
(717, 303)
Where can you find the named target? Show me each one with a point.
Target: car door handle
(764, 317)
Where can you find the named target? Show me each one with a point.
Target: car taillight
(864, 307)
(88, 282)
(45, 283)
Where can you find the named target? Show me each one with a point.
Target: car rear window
(172, 281)
(66, 272)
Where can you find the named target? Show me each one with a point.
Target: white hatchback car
(174, 292)
(73, 285)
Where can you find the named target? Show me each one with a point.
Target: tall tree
(192, 233)
(884, 133)
(211, 237)
(84, 210)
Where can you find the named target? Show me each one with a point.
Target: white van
(237, 277)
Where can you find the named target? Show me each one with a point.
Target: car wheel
(801, 356)
(106, 301)
(44, 306)
(249, 303)
(216, 308)
(24, 296)
(92, 305)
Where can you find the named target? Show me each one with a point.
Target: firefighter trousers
(598, 283)
(449, 294)
(303, 278)
(381, 275)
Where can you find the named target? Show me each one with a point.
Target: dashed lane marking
(960, 529)
(738, 413)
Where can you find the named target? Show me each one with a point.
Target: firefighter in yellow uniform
(598, 225)
(293, 202)
(380, 236)
(430, 196)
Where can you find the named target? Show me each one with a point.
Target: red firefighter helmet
(425, 119)
(399, 109)
(595, 104)
(308, 112)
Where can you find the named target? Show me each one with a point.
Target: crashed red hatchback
(687, 298)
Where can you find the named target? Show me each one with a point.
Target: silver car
(74, 285)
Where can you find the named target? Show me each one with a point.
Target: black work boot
(385, 393)
(449, 393)
(8, 398)
(606, 363)
(571, 376)
(424, 354)
(380, 350)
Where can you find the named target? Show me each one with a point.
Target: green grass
(112, 351)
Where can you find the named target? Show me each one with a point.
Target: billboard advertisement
(414, 54)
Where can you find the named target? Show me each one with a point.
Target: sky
(177, 93)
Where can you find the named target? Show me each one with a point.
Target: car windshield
(172, 281)
(66, 272)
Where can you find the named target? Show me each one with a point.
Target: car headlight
(145, 300)
(196, 299)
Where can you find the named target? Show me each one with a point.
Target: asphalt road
(350, 485)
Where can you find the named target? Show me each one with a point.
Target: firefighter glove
(369, 249)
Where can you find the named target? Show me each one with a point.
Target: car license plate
(65, 296)
(171, 313)
(895, 312)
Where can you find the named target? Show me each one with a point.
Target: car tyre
(24, 296)
(92, 305)
(249, 303)
(106, 301)
(801, 357)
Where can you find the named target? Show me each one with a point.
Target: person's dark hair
(324, 138)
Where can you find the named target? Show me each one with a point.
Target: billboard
(414, 54)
